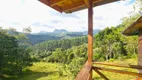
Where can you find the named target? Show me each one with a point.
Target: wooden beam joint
(87, 3)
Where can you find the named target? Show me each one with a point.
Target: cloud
(111, 14)
(24, 13)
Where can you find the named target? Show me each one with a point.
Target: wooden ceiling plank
(55, 2)
(77, 5)
(73, 6)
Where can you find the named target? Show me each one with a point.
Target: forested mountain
(44, 49)
(34, 39)
(63, 31)
(57, 34)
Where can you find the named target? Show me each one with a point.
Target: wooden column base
(140, 50)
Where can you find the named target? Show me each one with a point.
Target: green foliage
(113, 45)
(13, 57)
(41, 50)
(76, 65)
(71, 59)
(66, 56)
(58, 56)
(7, 51)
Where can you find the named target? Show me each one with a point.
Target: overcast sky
(19, 14)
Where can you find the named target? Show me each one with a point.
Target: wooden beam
(118, 71)
(119, 65)
(84, 72)
(90, 35)
(102, 75)
(90, 32)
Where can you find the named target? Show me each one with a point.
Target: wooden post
(140, 50)
(90, 35)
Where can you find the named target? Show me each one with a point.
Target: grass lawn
(42, 71)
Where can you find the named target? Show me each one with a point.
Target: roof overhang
(134, 28)
(69, 6)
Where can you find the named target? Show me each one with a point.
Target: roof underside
(69, 6)
(134, 28)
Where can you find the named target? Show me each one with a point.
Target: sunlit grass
(42, 71)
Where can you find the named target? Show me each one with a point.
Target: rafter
(74, 6)
(80, 4)
(55, 2)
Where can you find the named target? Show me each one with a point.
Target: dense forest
(14, 57)
(17, 53)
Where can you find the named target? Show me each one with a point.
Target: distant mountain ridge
(56, 35)
(59, 31)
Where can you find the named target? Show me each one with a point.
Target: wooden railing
(85, 71)
(96, 69)
(118, 65)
